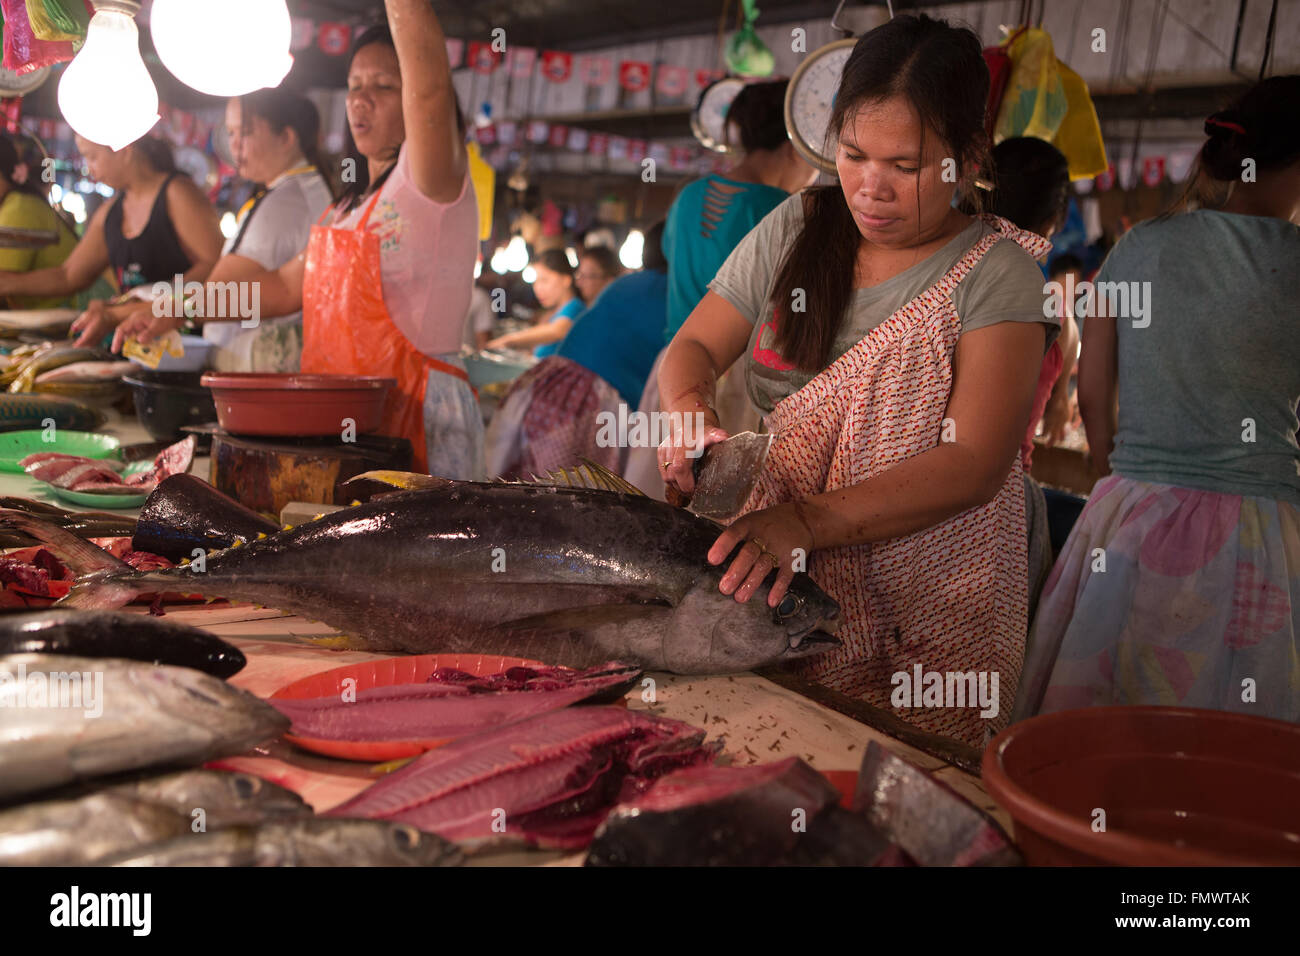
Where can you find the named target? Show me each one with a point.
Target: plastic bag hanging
(1034, 103)
(24, 52)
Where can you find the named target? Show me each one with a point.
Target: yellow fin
(406, 480)
(590, 475)
(339, 642)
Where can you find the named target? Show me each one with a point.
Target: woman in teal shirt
(555, 288)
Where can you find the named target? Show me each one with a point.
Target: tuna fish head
(713, 633)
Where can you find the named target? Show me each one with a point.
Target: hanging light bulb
(223, 47)
(498, 261)
(516, 257)
(530, 275)
(106, 94)
(229, 225)
(633, 247)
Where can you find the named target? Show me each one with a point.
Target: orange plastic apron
(347, 330)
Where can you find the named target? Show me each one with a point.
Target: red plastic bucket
(257, 403)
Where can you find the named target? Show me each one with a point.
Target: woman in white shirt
(274, 137)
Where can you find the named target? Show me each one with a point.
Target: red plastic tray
(386, 673)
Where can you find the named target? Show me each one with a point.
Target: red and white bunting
(455, 50)
(704, 77)
(577, 139)
(681, 156)
(556, 66)
(636, 149)
(598, 144)
(486, 135)
(595, 70)
(634, 75)
(618, 147)
(520, 60)
(1153, 170)
(672, 80)
(46, 129)
(507, 132)
(333, 38)
(1107, 179)
(538, 131)
(303, 33)
(482, 58)
(659, 152)
(558, 136)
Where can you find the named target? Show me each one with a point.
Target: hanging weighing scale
(810, 97)
(709, 118)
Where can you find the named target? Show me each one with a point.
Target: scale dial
(14, 84)
(810, 99)
(709, 118)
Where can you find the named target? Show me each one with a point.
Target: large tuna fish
(563, 575)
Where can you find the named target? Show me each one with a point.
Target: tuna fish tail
(103, 581)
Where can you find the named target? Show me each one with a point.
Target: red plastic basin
(1179, 787)
(264, 403)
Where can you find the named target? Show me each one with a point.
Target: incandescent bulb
(516, 257)
(529, 275)
(498, 262)
(223, 47)
(106, 94)
(633, 247)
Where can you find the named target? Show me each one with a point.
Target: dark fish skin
(932, 822)
(312, 841)
(117, 634)
(81, 826)
(84, 524)
(184, 513)
(581, 577)
(779, 814)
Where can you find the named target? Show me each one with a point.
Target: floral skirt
(1169, 595)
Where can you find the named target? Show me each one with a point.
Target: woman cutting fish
(894, 344)
(385, 280)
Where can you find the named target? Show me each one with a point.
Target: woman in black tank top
(158, 226)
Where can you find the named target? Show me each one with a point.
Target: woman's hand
(680, 450)
(93, 324)
(775, 538)
(142, 325)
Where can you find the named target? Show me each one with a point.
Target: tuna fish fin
(590, 475)
(80, 555)
(406, 480)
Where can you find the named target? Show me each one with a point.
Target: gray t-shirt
(1005, 286)
(1209, 377)
(278, 231)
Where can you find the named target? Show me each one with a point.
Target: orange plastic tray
(386, 673)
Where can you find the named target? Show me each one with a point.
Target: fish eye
(246, 786)
(407, 837)
(789, 604)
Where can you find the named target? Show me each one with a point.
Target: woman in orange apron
(385, 280)
(894, 344)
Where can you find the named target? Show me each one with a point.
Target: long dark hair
(557, 260)
(939, 69)
(361, 186)
(283, 109)
(10, 159)
(1031, 180)
(157, 153)
(1263, 126)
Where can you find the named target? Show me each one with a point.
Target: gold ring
(762, 545)
(776, 562)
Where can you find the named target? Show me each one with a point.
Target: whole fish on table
(81, 827)
(117, 634)
(24, 412)
(569, 576)
(66, 719)
(311, 841)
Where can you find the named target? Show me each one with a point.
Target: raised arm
(78, 271)
(435, 148)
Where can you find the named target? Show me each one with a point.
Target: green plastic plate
(98, 500)
(15, 446)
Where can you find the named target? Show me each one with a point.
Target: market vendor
(385, 280)
(159, 226)
(23, 206)
(893, 343)
(274, 140)
(556, 289)
(598, 266)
